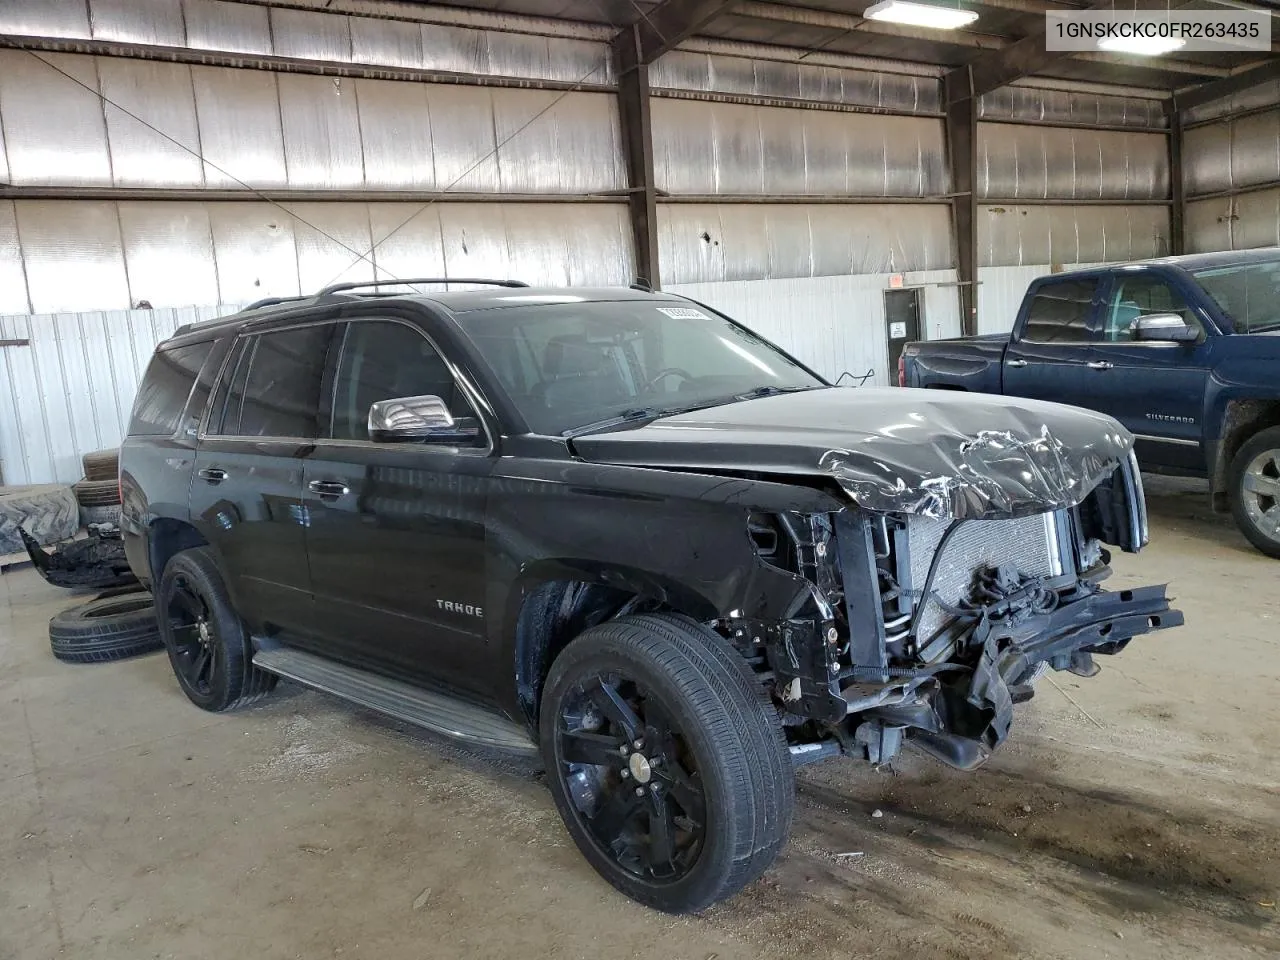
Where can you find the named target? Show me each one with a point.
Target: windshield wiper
(771, 391)
(627, 416)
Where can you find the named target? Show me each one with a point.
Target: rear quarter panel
(971, 363)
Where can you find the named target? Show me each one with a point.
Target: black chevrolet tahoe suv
(617, 528)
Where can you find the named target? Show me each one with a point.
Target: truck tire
(666, 760)
(108, 514)
(108, 628)
(101, 465)
(48, 512)
(1255, 490)
(205, 638)
(97, 493)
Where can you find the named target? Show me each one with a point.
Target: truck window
(1137, 297)
(165, 387)
(274, 390)
(383, 360)
(1059, 312)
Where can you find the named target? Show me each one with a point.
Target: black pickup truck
(1184, 351)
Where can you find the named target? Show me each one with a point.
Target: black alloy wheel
(666, 760)
(195, 647)
(634, 782)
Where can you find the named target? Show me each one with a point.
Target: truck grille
(1029, 543)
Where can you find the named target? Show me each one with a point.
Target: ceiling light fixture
(1143, 46)
(920, 14)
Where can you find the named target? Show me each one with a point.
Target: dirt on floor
(1132, 815)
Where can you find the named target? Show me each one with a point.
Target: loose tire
(108, 628)
(97, 493)
(205, 638)
(48, 512)
(702, 805)
(108, 514)
(1255, 490)
(101, 465)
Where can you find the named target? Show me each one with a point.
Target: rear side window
(162, 397)
(274, 387)
(1059, 312)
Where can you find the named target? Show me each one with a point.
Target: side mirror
(1166, 327)
(418, 420)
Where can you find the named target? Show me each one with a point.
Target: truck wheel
(666, 761)
(206, 640)
(1255, 490)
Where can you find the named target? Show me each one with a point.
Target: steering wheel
(667, 372)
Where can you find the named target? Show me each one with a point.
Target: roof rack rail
(355, 285)
(269, 302)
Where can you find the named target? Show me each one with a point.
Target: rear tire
(205, 638)
(714, 776)
(106, 628)
(1255, 490)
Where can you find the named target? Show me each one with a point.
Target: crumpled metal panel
(1262, 95)
(703, 147)
(41, 18)
(395, 128)
(227, 26)
(72, 253)
(239, 115)
(66, 145)
(716, 73)
(1061, 106)
(162, 94)
(310, 36)
(463, 137)
(555, 143)
(712, 242)
(331, 238)
(1010, 235)
(321, 124)
(13, 278)
(254, 249)
(168, 251)
(393, 43)
(1017, 162)
(139, 21)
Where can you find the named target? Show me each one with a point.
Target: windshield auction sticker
(683, 313)
(1153, 32)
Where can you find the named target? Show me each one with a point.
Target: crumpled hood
(934, 453)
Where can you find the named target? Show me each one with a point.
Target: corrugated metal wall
(1231, 171)
(835, 324)
(71, 389)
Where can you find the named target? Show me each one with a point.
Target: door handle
(212, 474)
(1100, 364)
(328, 489)
(1016, 363)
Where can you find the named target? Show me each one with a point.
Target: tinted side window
(1138, 297)
(1060, 312)
(383, 360)
(274, 390)
(165, 387)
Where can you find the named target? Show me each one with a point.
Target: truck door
(1049, 355)
(1155, 389)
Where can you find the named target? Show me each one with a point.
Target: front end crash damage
(925, 623)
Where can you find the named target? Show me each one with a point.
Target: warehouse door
(902, 324)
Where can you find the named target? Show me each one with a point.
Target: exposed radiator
(1029, 543)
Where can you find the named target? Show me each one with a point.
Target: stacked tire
(99, 492)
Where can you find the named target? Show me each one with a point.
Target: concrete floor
(1133, 815)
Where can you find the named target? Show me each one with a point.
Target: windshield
(1248, 293)
(569, 365)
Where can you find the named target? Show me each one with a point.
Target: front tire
(206, 640)
(1255, 490)
(666, 761)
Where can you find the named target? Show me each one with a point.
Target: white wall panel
(833, 324)
(168, 252)
(395, 125)
(228, 26)
(255, 251)
(72, 254)
(137, 21)
(332, 244)
(162, 95)
(320, 117)
(239, 127)
(13, 278)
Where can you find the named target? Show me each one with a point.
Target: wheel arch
(556, 600)
(1240, 420)
(166, 537)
